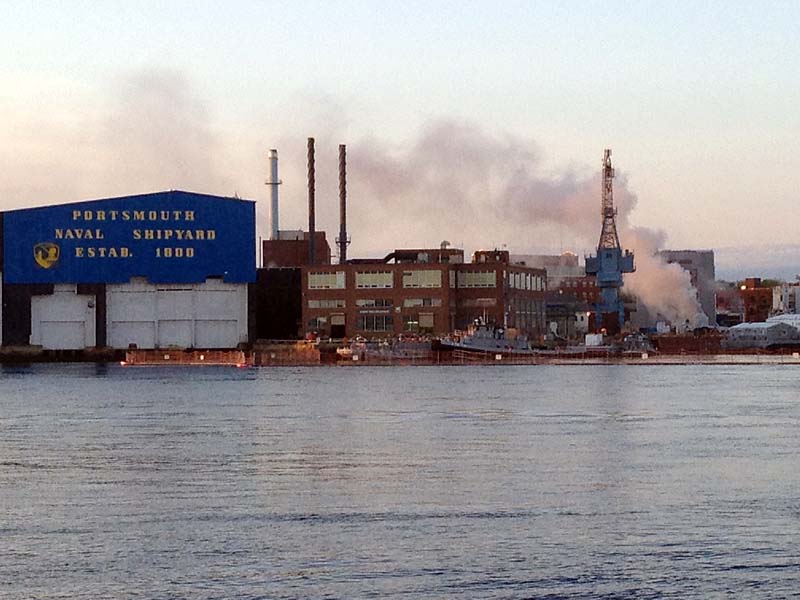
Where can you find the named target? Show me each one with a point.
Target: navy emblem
(46, 254)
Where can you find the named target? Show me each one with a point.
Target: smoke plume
(453, 181)
(664, 290)
(458, 182)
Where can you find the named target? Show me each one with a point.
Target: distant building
(730, 307)
(756, 299)
(789, 319)
(584, 289)
(700, 265)
(291, 249)
(762, 335)
(558, 266)
(422, 291)
(572, 294)
(567, 316)
(785, 298)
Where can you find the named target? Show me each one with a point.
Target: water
(456, 482)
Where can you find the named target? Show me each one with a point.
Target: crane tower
(610, 262)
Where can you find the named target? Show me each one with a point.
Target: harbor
(577, 480)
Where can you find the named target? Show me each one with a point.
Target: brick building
(421, 291)
(757, 300)
(584, 289)
(291, 249)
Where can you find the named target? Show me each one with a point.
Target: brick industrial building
(757, 300)
(423, 291)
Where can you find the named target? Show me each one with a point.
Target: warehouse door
(63, 320)
(208, 315)
(130, 310)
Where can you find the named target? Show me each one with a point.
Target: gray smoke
(458, 182)
(454, 181)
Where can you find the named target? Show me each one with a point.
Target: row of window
(327, 303)
(373, 302)
(427, 278)
(374, 323)
(410, 302)
(422, 323)
(578, 283)
(326, 281)
(430, 279)
(422, 279)
(525, 281)
(477, 279)
(375, 280)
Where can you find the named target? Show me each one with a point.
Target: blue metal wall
(167, 237)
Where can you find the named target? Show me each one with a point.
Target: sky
(482, 125)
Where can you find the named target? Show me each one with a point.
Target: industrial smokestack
(273, 182)
(311, 210)
(343, 241)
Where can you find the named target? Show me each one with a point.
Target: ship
(484, 338)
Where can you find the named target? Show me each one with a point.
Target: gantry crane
(610, 262)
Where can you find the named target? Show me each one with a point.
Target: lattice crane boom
(608, 235)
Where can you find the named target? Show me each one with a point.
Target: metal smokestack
(273, 182)
(343, 241)
(311, 210)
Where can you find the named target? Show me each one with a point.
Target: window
(426, 321)
(374, 302)
(326, 281)
(331, 303)
(374, 279)
(318, 323)
(478, 302)
(374, 323)
(427, 278)
(409, 302)
(410, 323)
(477, 279)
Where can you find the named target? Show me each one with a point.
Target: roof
(792, 319)
(152, 196)
(759, 325)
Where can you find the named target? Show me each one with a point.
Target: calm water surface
(456, 482)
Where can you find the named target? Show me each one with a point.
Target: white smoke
(664, 289)
(458, 181)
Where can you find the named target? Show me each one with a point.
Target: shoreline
(271, 358)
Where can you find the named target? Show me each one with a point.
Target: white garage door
(63, 320)
(208, 315)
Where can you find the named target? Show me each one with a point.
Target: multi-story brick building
(757, 300)
(584, 289)
(426, 291)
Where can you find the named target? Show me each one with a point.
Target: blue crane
(610, 262)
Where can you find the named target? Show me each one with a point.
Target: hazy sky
(699, 101)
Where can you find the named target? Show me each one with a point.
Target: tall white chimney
(273, 182)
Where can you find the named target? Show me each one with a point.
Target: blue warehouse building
(162, 270)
